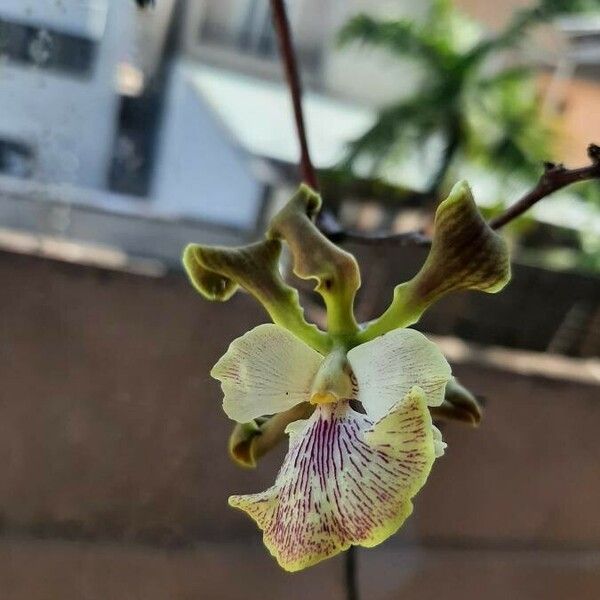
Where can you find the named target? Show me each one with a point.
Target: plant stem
(554, 178)
(350, 574)
(290, 64)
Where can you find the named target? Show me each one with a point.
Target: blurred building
(101, 138)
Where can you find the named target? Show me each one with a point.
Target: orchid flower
(357, 400)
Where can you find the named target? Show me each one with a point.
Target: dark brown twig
(288, 57)
(554, 178)
(405, 239)
(330, 227)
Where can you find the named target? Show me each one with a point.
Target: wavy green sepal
(459, 405)
(315, 257)
(466, 254)
(218, 272)
(241, 442)
(249, 442)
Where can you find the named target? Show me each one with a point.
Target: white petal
(266, 371)
(438, 443)
(295, 429)
(387, 367)
(344, 481)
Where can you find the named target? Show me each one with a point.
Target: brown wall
(493, 14)
(114, 478)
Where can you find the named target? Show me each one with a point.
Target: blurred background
(127, 133)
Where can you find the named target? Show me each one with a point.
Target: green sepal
(459, 405)
(315, 257)
(212, 285)
(249, 442)
(218, 272)
(241, 442)
(466, 254)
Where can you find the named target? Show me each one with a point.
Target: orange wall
(581, 119)
(493, 14)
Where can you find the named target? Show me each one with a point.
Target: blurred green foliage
(485, 110)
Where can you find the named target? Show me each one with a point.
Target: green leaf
(400, 37)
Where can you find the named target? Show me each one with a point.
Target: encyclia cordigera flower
(356, 400)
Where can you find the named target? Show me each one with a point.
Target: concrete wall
(114, 476)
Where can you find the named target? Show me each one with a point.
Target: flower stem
(290, 64)
(350, 574)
